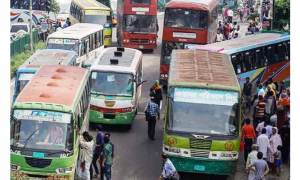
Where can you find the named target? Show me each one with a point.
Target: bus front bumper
(205, 166)
(139, 46)
(110, 118)
(28, 175)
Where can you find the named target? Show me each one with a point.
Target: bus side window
(258, 59)
(288, 48)
(97, 39)
(270, 54)
(35, 4)
(91, 42)
(101, 38)
(83, 48)
(77, 119)
(247, 62)
(235, 64)
(281, 52)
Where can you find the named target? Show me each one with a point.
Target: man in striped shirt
(259, 111)
(153, 110)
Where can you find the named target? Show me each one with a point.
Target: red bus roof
(193, 4)
(57, 84)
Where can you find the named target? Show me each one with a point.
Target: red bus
(187, 23)
(137, 24)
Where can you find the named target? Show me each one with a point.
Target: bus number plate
(199, 168)
(141, 47)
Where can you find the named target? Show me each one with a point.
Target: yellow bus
(89, 11)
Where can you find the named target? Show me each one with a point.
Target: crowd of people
(101, 151)
(267, 142)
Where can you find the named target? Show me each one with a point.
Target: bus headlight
(232, 155)
(172, 149)
(162, 75)
(14, 167)
(64, 170)
(166, 75)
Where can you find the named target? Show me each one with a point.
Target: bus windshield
(186, 18)
(23, 80)
(140, 1)
(65, 44)
(113, 84)
(167, 48)
(97, 19)
(42, 130)
(139, 23)
(202, 111)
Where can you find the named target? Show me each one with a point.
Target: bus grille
(200, 144)
(38, 163)
(140, 41)
(201, 154)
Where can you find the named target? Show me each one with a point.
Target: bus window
(281, 52)
(288, 48)
(140, 1)
(270, 54)
(247, 61)
(285, 46)
(91, 43)
(258, 59)
(235, 64)
(101, 38)
(203, 20)
(35, 4)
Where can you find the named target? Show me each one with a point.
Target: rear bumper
(121, 118)
(212, 166)
(139, 46)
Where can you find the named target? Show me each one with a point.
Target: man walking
(259, 111)
(107, 158)
(153, 109)
(263, 143)
(169, 171)
(251, 158)
(261, 167)
(112, 145)
(230, 15)
(247, 93)
(248, 136)
(97, 151)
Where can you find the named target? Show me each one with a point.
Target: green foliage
(17, 60)
(252, 16)
(282, 13)
(55, 7)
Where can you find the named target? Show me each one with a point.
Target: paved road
(136, 157)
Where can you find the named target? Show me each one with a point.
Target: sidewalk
(241, 169)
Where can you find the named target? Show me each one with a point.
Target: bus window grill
(200, 143)
(38, 163)
(201, 154)
(118, 54)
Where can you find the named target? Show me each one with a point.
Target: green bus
(45, 121)
(202, 127)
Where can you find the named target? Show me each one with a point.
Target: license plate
(199, 168)
(141, 47)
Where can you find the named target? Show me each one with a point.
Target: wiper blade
(64, 151)
(26, 141)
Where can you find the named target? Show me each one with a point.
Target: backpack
(152, 93)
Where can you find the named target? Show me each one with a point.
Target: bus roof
(90, 4)
(49, 57)
(127, 63)
(209, 48)
(249, 42)
(53, 84)
(202, 67)
(76, 31)
(193, 4)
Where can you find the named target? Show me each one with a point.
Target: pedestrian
(283, 91)
(275, 141)
(259, 111)
(226, 30)
(156, 92)
(230, 15)
(220, 27)
(238, 31)
(251, 158)
(260, 126)
(260, 90)
(281, 87)
(270, 104)
(169, 172)
(268, 128)
(220, 36)
(273, 119)
(278, 160)
(112, 145)
(107, 158)
(273, 86)
(98, 148)
(226, 12)
(285, 137)
(247, 93)
(68, 22)
(263, 143)
(86, 144)
(241, 13)
(246, 12)
(261, 167)
(277, 91)
(248, 136)
(153, 110)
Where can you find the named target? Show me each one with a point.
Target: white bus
(116, 79)
(19, 11)
(84, 38)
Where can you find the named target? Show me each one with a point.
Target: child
(278, 159)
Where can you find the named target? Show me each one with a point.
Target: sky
(64, 4)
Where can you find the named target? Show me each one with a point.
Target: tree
(55, 7)
(282, 13)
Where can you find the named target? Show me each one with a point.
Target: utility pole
(30, 27)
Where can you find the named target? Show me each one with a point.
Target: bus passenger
(55, 135)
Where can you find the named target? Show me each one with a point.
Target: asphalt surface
(137, 157)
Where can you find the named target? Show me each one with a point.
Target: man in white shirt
(261, 90)
(220, 36)
(87, 144)
(169, 170)
(230, 15)
(263, 143)
(251, 158)
(260, 127)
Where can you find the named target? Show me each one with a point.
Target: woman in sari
(275, 141)
(281, 114)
